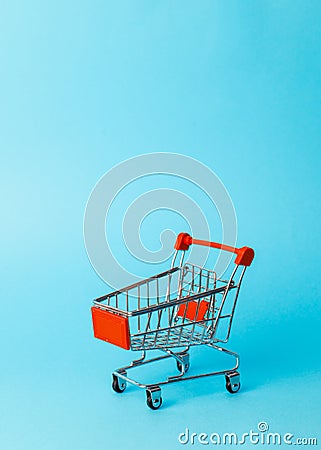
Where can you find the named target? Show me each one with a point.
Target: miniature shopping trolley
(185, 306)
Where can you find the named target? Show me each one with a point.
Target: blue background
(87, 84)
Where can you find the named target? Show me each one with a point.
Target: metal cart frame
(149, 315)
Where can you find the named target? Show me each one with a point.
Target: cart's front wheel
(233, 383)
(154, 399)
(119, 385)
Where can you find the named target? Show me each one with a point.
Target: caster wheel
(233, 383)
(186, 363)
(179, 367)
(154, 400)
(118, 384)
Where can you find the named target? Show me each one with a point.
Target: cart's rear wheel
(118, 384)
(233, 383)
(186, 362)
(179, 366)
(154, 400)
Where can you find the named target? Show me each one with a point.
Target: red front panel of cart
(111, 327)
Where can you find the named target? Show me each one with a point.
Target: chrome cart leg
(232, 376)
(228, 352)
(140, 360)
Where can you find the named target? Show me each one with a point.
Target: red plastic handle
(244, 256)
